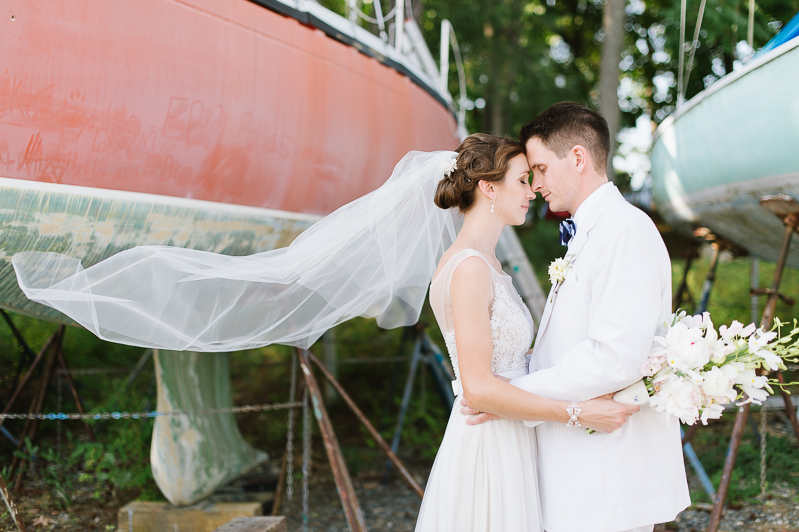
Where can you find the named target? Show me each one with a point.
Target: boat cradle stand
(786, 208)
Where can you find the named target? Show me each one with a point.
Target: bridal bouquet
(693, 370)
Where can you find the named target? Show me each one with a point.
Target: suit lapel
(575, 246)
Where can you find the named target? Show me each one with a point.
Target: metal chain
(290, 432)
(763, 429)
(94, 371)
(155, 413)
(306, 457)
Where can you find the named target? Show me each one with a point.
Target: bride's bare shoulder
(446, 257)
(473, 267)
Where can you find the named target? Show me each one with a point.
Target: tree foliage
(522, 56)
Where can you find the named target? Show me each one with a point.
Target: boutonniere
(559, 271)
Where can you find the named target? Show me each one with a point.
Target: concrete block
(255, 524)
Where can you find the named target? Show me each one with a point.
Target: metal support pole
(750, 37)
(689, 434)
(754, 284)
(369, 427)
(707, 287)
(346, 490)
(698, 468)
(381, 23)
(694, 45)
(443, 61)
(789, 410)
(683, 289)
(29, 430)
(27, 376)
(791, 222)
(399, 26)
(729, 465)
(12, 508)
(331, 359)
(406, 400)
(681, 61)
(75, 395)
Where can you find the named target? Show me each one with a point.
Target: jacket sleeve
(626, 305)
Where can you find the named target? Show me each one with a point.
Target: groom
(595, 334)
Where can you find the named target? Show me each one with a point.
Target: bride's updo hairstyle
(480, 157)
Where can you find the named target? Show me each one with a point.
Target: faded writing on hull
(48, 138)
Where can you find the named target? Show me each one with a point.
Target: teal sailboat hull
(735, 142)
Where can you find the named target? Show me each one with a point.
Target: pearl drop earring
(492, 204)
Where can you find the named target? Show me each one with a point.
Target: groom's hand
(475, 416)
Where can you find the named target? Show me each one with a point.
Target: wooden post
(369, 427)
(12, 508)
(346, 490)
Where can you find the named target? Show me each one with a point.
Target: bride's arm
(470, 291)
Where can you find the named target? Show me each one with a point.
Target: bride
(484, 476)
(374, 257)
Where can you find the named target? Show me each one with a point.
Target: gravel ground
(387, 507)
(394, 507)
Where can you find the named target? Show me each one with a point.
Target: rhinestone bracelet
(573, 410)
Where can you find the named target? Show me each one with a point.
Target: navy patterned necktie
(567, 231)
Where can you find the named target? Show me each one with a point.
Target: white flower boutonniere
(559, 270)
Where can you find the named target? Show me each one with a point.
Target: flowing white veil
(373, 257)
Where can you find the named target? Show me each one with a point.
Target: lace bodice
(511, 323)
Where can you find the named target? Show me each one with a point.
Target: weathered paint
(154, 104)
(93, 224)
(193, 455)
(220, 100)
(729, 146)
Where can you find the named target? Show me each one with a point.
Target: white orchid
(678, 397)
(692, 370)
(752, 385)
(759, 340)
(735, 329)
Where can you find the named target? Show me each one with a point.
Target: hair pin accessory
(450, 166)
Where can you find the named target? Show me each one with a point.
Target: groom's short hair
(567, 124)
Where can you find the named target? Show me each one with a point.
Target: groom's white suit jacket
(594, 336)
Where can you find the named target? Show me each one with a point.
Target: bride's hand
(603, 414)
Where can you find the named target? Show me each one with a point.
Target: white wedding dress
(484, 477)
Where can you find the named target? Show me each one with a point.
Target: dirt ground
(387, 507)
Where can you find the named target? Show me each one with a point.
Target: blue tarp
(790, 31)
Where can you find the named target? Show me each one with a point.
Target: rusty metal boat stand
(787, 209)
(52, 354)
(346, 490)
(12, 508)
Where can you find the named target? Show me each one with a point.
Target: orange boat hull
(211, 124)
(219, 100)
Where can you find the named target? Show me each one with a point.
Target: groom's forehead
(537, 153)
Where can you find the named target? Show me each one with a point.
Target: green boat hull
(729, 146)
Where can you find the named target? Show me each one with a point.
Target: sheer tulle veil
(373, 257)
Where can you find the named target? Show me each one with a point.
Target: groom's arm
(625, 308)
